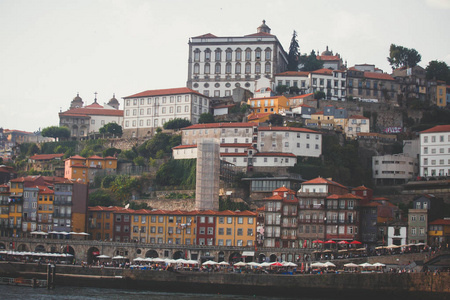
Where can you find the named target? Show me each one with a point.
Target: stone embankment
(349, 286)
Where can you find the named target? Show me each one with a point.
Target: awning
(248, 253)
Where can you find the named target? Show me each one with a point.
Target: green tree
(319, 95)
(281, 89)
(128, 155)
(206, 118)
(56, 132)
(438, 70)
(293, 53)
(102, 197)
(139, 205)
(139, 161)
(276, 120)
(124, 186)
(400, 56)
(111, 152)
(177, 123)
(111, 128)
(309, 62)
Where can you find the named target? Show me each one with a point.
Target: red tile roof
(320, 180)
(439, 128)
(46, 156)
(95, 157)
(381, 76)
(83, 111)
(293, 73)
(185, 146)
(174, 91)
(220, 125)
(328, 57)
(360, 188)
(302, 96)
(231, 154)
(283, 189)
(440, 222)
(323, 71)
(260, 34)
(266, 89)
(345, 196)
(279, 128)
(266, 98)
(94, 105)
(207, 35)
(318, 113)
(243, 145)
(258, 116)
(77, 157)
(274, 197)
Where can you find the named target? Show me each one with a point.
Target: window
(238, 68)
(221, 231)
(229, 232)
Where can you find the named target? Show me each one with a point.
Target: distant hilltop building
(217, 65)
(84, 120)
(148, 110)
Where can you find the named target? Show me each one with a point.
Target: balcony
(288, 237)
(312, 206)
(289, 225)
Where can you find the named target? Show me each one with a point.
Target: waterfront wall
(402, 286)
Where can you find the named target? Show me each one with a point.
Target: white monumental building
(217, 65)
(146, 111)
(435, 151)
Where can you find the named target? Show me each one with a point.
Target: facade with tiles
(148, 110)
(217, 65)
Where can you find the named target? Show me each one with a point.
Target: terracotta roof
(266, 98)
(243, 145)
(279, 128)
(274, 197)
(439, 128)
(84, 111)
(292, 73)
(327, 57)
(283, 189)
(360, 188)
(94, 105)
(43, 190)
(174, 91)
(185, 146)
(320, 180)
(262, 208)
(323, 71)
(275, 154)
(233, 154)
(440, 222)
(358, 117)
(95, 157)
(207, 35)
(381, 76)
(266, 89)
(302, 96)
(17, 131)
(345, 196)
(258, 116)
(77, 157)
(260, 34)
(318, 113)
(46, 156)
(220, 125)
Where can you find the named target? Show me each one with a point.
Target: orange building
(84, 169)
(101, 222)
(45, 209)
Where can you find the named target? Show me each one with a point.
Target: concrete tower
(208, 171)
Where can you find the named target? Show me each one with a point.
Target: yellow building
(273, 105)
(441, 94)
(84, 169)
(439, 233)
(75, 169)
(235, 228)
(101, 222)
(4, 210)
(45, 209)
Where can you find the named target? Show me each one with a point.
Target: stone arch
(69, 250)
(261, 258)
(235, 257)
(92, 253)
(22, 247)
(178, 254)
(273, 258)
(39, 248)
(151, 254)
(221, 256)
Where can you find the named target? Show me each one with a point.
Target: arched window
(217, 68)
(197, 54)
(268, 53)
(238, 54)
(258, 68)
(218, 54)
(207, 54)
(248, 54)
(268, 67)
(229, 53)
(238, 68)
(258, 53)
(248, 68)
(207, 69)
(196, 68)
(228, 68)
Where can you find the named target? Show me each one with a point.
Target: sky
(50, 50)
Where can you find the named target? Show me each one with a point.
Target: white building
(435, 151)
(394, 169)
(300, 80)
(219, 64)
(146, 111)
(83, 120)
(355, 125)
(397, 233)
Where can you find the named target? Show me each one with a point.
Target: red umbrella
(343, 243)
(276, 264)
(318, 242)
(355, 243)
(330, 242)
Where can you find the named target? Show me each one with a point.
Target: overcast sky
(50, 50)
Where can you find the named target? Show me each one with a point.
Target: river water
(73, 293)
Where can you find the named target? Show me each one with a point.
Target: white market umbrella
(138, 259)
(224, 263)
(289, 264)
(365, 265)
(103, 256)
(119, 257)
(329, 264)
(149, 259)
(379, 265)
(254, 264)
(351, 265)
(317, 265)
(240, 264)
(209, 262)
(392, 247)
(265, 264)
